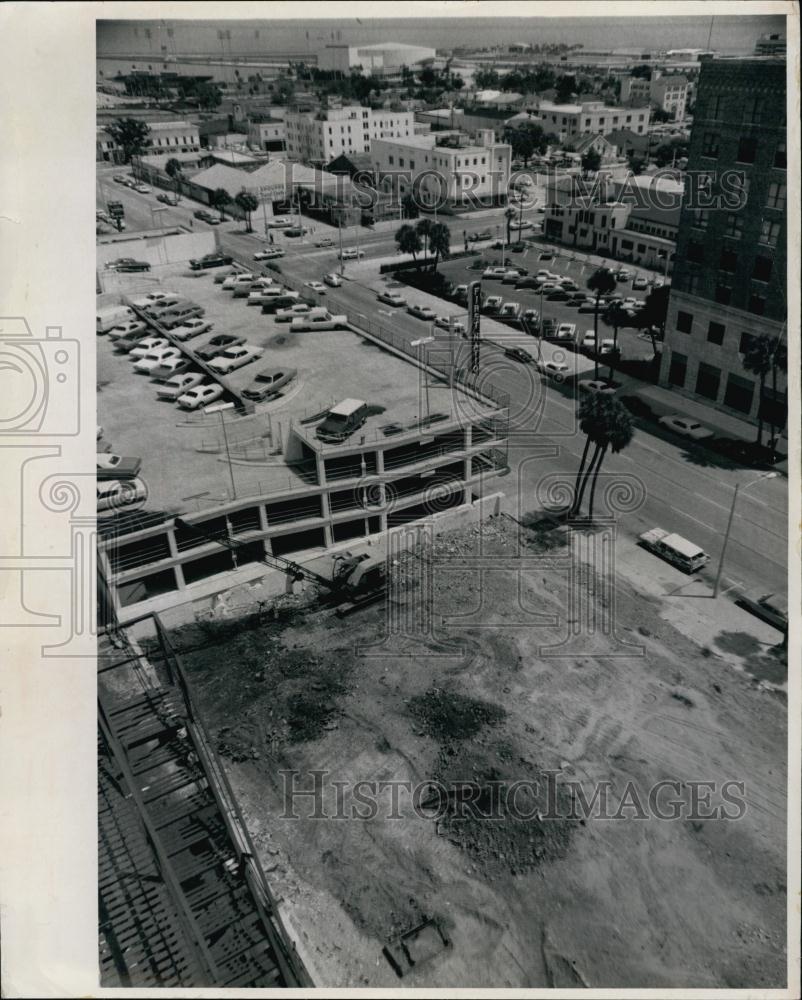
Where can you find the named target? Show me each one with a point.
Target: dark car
(268, 382)
(296, 231)
(218, 344)
(558, 295)
(546, 256)
(527, 281)
(576, 298)
(772, 608)
(484, 235)
(637, 407)
(129, 264)
(518, 247)
(745, 452)
(117, 466)
(205, 216)
(518, 354)
(211, 260)
(165, 199)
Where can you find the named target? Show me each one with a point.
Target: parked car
(268, 382)
(492, 273)
(295, 231)
(549, 328)
(332, 280)
(180, 315)
(192, 328)
(623, 275)
(316, 286)
(394, 299)
(222, 276)
(565, 331)
(155, 299)
(558, 295)
(511, 277)
(530, 318)
(510, 311)
(518, 354)
(445, 323)
(270, 253)
(527, 281)
(210, 260)
(127, 329)
(200, 395)
(772, 608)
(326, 242)
(177, 385)
(686, 426)
(165, 199)
(279, 222)
(175, 365)
(116, 494)
(640, 283)
(320, 319)
(287, 314)
(218, 344)
(576, 299)
(638, 407)
(147, 344)
(147, 364)
(205, 216)
(461, 293)
(589, 305)
(128, 264)
(485, 234)
(546, 255)
(748, 453)
(231, 281)
(235, 357)
(352, 254)
(557, 370)
(677, 550)
(602, 385)
(245, 284)
(110, 466)
(258, 296)
(342, 420)
(421, 312)
(492, 304)
(272, 303)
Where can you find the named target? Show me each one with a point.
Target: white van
(675, 549)
(112, 316)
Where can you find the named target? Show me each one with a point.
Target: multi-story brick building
(729, 281)
(317, 138)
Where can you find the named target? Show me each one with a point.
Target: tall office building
(729, 282)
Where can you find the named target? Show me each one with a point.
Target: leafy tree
(779, 364)
(208, 95)
(220, 200)
(758, 360)
(636, 164)
(642, 72)
(486, 78)
(423, 229)
(655, 312)
(543, 78)
(526, 139)
(428, 76)
(456, 82)
(566, 86)
(248, 203)
(409, 207)
(174, 168)
(659, 116)
(601, 282)
(408, 241)
(131, 136)
(439, 242)
(606, 424)
(591, 161)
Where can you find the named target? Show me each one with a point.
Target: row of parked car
(285, 304)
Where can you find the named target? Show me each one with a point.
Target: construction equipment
(358, 579)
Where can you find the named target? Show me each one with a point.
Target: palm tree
(615, 315)
(509, 215)
(423, 229)
(439, 242)
(220, 199)
(408, 241)
(248, 203)
(602, 282)
(779, 363)
(607, 424)
(758, 359)
(173, 168)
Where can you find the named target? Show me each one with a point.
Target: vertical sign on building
(474, 313)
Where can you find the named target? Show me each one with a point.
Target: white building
(669, 93)
(320, 136)
(567, 120)
(180, 135)
(453, 169)
(270, 135)
(386, 58)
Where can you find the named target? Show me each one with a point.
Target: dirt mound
(447, 715)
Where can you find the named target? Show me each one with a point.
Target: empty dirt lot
(550, 900)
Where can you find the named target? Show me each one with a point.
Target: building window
(715, 333)
(762, 269)
(728, 261)
(715, 110)
(757, 303)
(769, 232)
(678, 369)
(776, 196)
(747, 149)
(745, 343)
(751, 112)
(739, 393)
(700, 218)
(684, 322)
(723, 293)
(779, 156)
(692, 283)
(695, 252)
(710, 144)
(708, 378)
(390, 160)
(735, 225)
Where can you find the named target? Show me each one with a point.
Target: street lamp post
(766, 475)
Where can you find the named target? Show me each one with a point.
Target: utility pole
(766, 475)
(228, 456)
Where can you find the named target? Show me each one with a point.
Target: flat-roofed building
(567, 120)
(320, 136)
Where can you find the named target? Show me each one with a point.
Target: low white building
(180, 135)
(320, 136)
(271, 136)
(385, 58)
(452, 169)
(567, 120)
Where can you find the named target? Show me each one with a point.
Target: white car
(153, 359)
(565, 331)
(640, 283)
(279, 222)
(142, 188)
(178, 385)
(263, 295)
(686, 427)
(269, 254)
(316, 286)
(352, 254)
(332, 280)
(200, 395)
(557, 370)
(114, 494)
(285, 315)
(322, 320)
(394, 299)
(149, 344)
(597, 385)
(152, 298)
(126, 329)
(171, 366)
(494, 272)
(245, 284)
(192, 328)
(232, 279)
(235, 357)
(444, 322)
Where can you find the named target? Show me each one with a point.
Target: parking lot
(184, 454)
